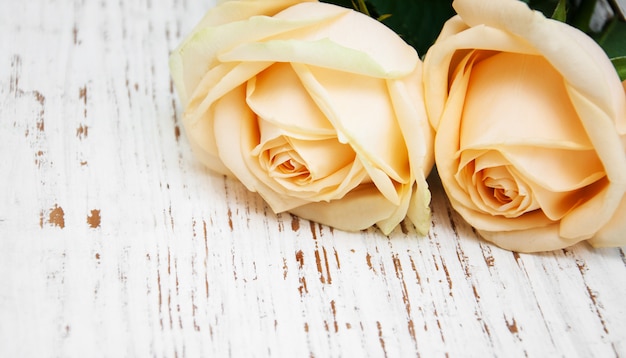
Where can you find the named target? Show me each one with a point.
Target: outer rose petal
(541, 238)
(442, 56)
(612, 234)
(234, 10)
(198, 118)
(279, 96)
(199, 51)
(589, 71)
(419, 137)
(372, 50)
(358, 210)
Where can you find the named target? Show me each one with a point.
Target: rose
(316, 107)
(528, 114)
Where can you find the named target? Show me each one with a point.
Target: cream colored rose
(530, 121)
(317, 108)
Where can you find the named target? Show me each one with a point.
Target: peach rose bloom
(316, 107)
(530, 121)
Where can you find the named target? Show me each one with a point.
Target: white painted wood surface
(115, 242)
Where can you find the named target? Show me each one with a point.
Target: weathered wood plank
(114, 241)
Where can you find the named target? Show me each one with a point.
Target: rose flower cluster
(330, 115)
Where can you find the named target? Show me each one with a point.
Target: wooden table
(115, 242)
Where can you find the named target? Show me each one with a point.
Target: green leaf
(547, 7)
(418, 22)
(581, 18)
(620, 66)
(345, 3)
(560, 12)
(383, 17)
(361, 7)
(613, 38)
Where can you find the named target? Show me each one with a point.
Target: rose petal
(586, 68)
(321, 53)
(375, 41)
(387, 187)
(556, 170)
(512, 100)
(490, 222)
(217, 83)
(331, 187)
(198, 118)
(419, 207)
(556, 205)
(612, 234)
(388, 224)
(408, 102)
(278, 96)
(587, 218)
(540, 238)
(228, 11)
(358, 210)
(210, 158)
(447, 144)
(189, 62)
(437, 62)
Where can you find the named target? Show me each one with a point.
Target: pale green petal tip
(387, 226)
(323, 53)
(419, 210)
(423, 226)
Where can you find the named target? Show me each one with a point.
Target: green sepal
(560, 12)
(620, 66)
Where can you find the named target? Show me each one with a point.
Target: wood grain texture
(115, 242)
